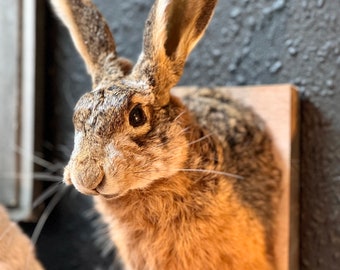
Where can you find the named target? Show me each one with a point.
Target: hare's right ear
(92, 38)
(171, 32)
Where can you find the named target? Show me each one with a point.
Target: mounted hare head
(129, 130)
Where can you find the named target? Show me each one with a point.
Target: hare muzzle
(85, 170)
(85, 174)
(95, 167)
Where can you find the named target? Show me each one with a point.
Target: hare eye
(137, 117)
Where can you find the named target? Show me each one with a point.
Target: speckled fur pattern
(193, 185)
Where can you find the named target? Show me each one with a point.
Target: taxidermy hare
(189, 186)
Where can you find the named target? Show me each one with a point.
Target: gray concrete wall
(248, 42)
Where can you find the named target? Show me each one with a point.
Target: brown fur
(193, 186)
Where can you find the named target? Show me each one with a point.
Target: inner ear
(175, 26)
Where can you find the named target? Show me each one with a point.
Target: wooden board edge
(294, 243)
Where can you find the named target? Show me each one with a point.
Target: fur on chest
(172, 231)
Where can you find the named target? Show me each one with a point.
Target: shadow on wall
(318, 217)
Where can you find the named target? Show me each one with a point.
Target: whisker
(51, 167)
(179, 116)
(100, 236)
(36, 176)
(46, 194)
(64, 149)
(48, 210)
(36, 159)
(196, 170)
(184, 130)
(212, 172)
(201, 139)
(47, 177)
(190, 143)
(91, 213)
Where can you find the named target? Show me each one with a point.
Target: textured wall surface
(248, 42)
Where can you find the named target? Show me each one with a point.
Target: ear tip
(172, 30)
(92, 37)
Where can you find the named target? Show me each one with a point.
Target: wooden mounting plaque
(278, 105)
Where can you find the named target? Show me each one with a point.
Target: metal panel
(17, 91)
(9, 96)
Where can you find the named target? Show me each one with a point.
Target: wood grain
(278, 105)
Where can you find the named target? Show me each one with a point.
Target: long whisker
(37, 160)
(48, 210)
(100, 235)
(184, 130)
(201, 139)
(196, 170)
(47, 177)
(51, 167)
(212, 172)
(64, 149)
(46, 194)
(179, 116)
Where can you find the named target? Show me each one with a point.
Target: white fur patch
(161, 7)
(111, 151)
(159, 28)
(78, 137)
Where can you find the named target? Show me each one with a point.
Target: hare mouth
(110, 196)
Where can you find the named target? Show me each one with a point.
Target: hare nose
(89, 175)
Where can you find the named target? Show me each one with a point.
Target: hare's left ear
(171, 32)
(92, 38)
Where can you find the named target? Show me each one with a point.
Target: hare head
(129, 130)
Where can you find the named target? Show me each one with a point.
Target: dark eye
(137, 116)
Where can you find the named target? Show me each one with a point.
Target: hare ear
(92, 38)
(171, 32)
